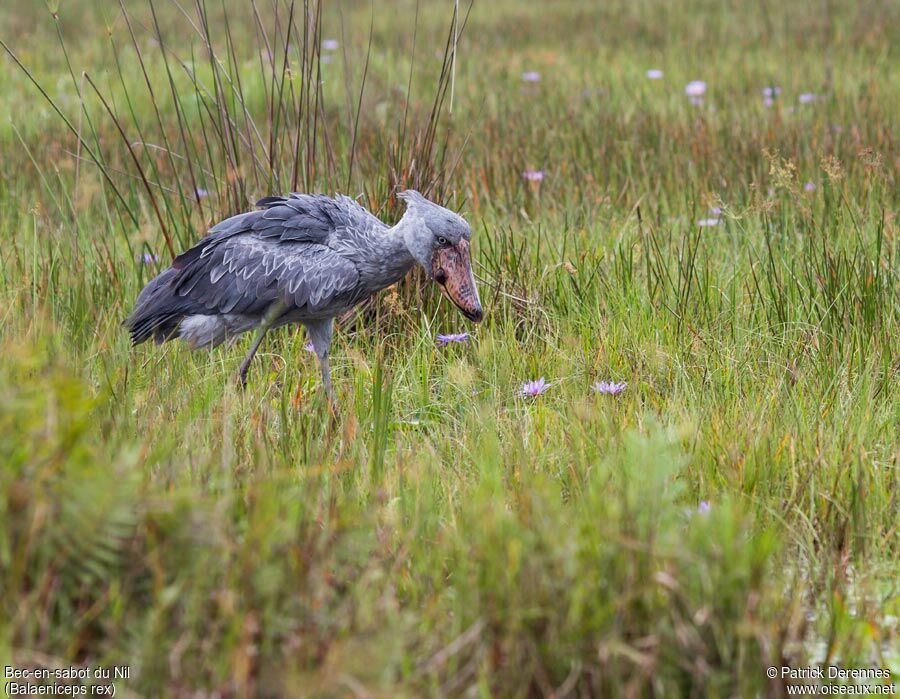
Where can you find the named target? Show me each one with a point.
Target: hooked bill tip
(476, 316)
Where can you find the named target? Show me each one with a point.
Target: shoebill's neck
(387, 259)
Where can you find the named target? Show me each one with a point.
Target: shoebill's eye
(442, 240)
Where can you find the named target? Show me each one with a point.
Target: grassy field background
(733, 258)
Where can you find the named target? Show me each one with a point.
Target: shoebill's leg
(275, 310)
(320, 335)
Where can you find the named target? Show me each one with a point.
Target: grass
(444, 536)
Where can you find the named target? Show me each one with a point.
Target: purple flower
(695, 88)
(531, 76)
(771, 92)
(330, 44)
(807, 98)
(704, 507)
(610, 388)
(148, 258)
(810, 187)
(201, 193)
(707, 222)
(532, 389)
(533, 175)
(768, 102)
(655, 74)
(309, 347)
(444, 340)
(695, 91)
(716, 210)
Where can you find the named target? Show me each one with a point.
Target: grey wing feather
(299, 218)
(280, 253)
(341, 214)
(299, 249)
(306, 275)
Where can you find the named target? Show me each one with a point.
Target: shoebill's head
(439, 241)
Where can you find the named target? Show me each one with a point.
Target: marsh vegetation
(698, 200)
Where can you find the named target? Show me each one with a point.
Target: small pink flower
(707, 222)
(610, 388)
(695, 88)
(444, 340)
(807, 98)
(532, 389)
(704, 507)
(655, 74)
(810, 187)
(533, 175)
(695, 91)
(531, 76)
(330, 44)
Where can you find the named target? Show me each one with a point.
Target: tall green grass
(443, 535)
